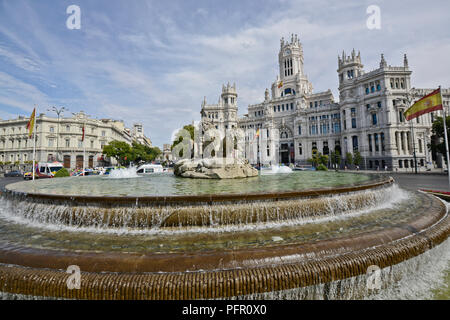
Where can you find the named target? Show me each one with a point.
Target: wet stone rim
(412, 239)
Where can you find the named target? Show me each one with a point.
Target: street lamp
(58, 113)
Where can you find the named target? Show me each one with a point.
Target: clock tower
(292, 79)
(290, 58)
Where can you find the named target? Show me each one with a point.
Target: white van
(150, 168)
(44, 170)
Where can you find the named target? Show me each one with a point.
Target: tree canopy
(438, 131)
(318, 159)
(124, 153)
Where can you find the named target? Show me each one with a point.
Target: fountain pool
(163, 237)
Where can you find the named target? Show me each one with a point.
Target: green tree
(62, 173)
(349, 158)
(318, 159)
(357, 158)
(119, 150)
(179, 138)
(142, 153)
(438, 132)
(335, 159)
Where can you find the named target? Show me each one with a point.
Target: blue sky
(153, 61)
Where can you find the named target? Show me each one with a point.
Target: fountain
(276, 169)
(123, 173)
(299, 235)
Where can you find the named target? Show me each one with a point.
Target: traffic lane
(422, 181)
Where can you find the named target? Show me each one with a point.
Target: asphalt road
(407, 181)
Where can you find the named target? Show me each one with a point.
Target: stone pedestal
(214, 168)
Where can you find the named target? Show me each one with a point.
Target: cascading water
(275, 169)
(123, 173)
(242, 242)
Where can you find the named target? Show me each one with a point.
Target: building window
(299, 130)
(274, 109)
(80, 144)
(382, 141)
(67, 143)
(337, 127)
(400, 116)
(375, 137)
(369, 136)
(353, 123)
(52, 129)
(374, 119)
(379, 104)
(50, 142)
(310, 104)
(92, 144)
(355, 143)
(103, 133)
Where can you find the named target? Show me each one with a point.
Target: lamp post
(85, 116)
(58, 113)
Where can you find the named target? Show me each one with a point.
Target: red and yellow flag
(82, 138)
(30, 124)
(429, 103)
(280, 84)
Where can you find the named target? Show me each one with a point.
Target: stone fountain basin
(208, 265)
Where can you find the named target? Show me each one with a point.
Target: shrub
(62, 173)
(321, 167)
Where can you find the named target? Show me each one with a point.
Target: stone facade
(293, 120)
(60, 140)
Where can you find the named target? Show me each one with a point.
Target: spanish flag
(280, 84)
(429, 103)
(30, 124)
(257, 133)
(83, 129)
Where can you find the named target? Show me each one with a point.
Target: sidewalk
(431, 172)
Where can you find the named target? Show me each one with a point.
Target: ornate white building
(61, 139)
(293, 120)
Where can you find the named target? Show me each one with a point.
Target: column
(397, 142)
(403, 142)
(372, 137)
(409, 142)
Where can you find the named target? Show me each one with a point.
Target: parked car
(14, 173)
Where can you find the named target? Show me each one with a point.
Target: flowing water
(123, 173)
(168, 184)
(37, 226)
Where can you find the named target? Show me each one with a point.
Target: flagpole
(34, 145)
(84, 147)
(445, 135)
